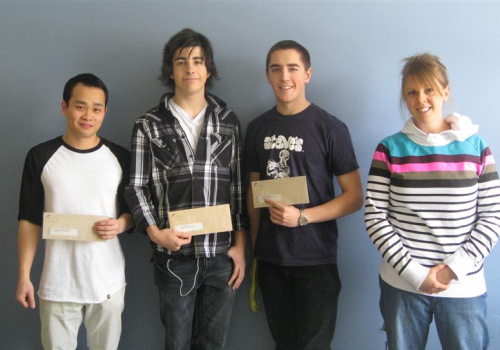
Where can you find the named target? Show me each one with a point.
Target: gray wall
(356, 50)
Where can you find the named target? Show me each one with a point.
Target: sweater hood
(461, 129)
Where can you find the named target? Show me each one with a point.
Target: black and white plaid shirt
(161, 179)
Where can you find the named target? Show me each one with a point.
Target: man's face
(85, 112)
(189, 71)
(288, 76)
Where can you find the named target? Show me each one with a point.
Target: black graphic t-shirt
(311, 143)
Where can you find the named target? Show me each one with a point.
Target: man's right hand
(169, 238)
(25, 294)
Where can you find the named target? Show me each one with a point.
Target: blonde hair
(425, 68)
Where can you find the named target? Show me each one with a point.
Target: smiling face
(189, 71)
(288, 77)
(425, 104)
(84, 116)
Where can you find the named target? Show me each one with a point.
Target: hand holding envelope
(71, 227)
(110, 228)
(200, 221)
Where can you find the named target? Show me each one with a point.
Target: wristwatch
(303, 219)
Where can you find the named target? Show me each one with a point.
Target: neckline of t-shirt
(76, 150)
(301, 114)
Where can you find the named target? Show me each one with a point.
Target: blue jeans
(195, 300)
(300, 304)
(460, 322)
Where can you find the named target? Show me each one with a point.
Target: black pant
(300, 303)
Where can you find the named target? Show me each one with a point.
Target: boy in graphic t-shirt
(296, 246)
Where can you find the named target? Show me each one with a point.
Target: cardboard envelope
(288, 190)
(71, 227)
(200, 221)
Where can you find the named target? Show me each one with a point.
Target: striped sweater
(431, 199)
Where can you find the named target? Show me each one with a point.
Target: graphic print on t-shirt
(279, 168)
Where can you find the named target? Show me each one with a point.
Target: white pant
(61, 321)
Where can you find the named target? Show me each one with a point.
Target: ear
(308, 75)
(64, 107)
(446, 93)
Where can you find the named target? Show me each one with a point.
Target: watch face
(303, 219)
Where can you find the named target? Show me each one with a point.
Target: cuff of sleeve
(460, 262)
(237, 222)
(142, 224)
(415, 274)
(33, 219)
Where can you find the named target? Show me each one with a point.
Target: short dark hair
(184, 39)
(87, 79)
(287, 45)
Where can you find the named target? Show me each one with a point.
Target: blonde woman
(433, 212)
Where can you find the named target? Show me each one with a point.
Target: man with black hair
(186, 154)
(77, 173)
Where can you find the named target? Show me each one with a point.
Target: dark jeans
(300, 303)
(195, 300)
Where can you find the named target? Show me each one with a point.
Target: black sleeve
(31, 199)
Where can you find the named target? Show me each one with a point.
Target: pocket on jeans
(160, 274)
(161, 265)
(175, 270)
(223, 267)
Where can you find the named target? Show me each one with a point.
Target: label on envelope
(288, 190)
(71, 227)
(63, 232)
(197, 226)
(201, 221)
(275, 197)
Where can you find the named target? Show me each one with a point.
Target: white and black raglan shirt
(61, 179)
